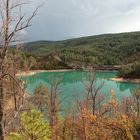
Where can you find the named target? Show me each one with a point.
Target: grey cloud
(61, 19)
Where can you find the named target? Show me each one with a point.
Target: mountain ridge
(74, 38)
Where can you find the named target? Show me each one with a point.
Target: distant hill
(107, 49)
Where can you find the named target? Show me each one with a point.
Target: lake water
(72, 84)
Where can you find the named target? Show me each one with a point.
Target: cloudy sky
(63, 19)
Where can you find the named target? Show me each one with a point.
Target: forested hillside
(105, 49)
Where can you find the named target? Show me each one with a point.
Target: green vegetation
(33, 127)
(109, 49)
(131, 70)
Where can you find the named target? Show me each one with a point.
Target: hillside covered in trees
(103, 49)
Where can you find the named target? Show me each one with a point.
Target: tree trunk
(1, 107)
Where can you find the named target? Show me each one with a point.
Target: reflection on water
(72, 83)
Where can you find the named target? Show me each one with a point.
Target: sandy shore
(33, 72)
(119, 79)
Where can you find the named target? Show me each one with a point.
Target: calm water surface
(73, 84)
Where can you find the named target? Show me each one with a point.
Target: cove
(72, 84)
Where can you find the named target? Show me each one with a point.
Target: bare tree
(40, 97)
(13, 21)
(136, 96)
(94, 96)
(54, 103)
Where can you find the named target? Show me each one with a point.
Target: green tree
(33, 127)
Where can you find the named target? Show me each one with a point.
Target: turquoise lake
(72, 83)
